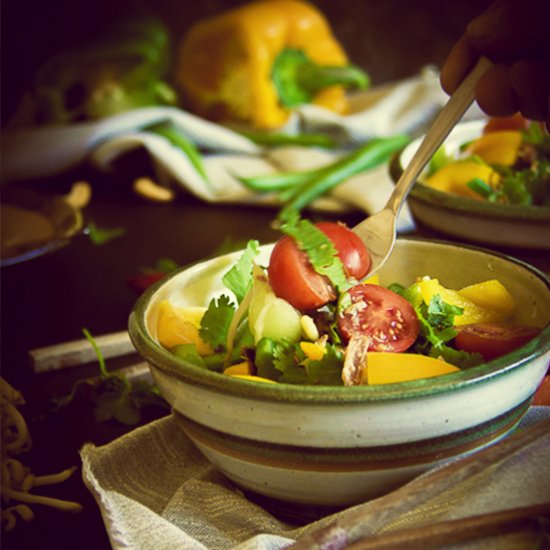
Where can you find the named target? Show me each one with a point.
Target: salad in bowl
(489, 183)
(310, 317)
(304, 380)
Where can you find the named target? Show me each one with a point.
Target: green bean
(274, 138)
(374, 153)
(179, 140)
(280, 180)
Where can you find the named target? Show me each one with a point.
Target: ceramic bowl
(335, 446)
(478, 222)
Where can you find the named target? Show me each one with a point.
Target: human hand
(515, 35)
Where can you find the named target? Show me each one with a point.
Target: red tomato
(351, 250)
(514, 122)
(140, 283)
(493, 340)
(388, 319)
(542, 395)
(293, 278)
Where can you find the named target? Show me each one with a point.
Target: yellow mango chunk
(314, 351)
(253, 378)
(389, 367)
(491, 294)
(472, 312)
(453, 177)
(497, 147)
(180, 325)
(239, 368)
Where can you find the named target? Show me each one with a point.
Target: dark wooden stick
(473, 527)
(357, 523)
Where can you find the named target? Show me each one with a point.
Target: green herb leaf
(114, 395)
(328, 370)
(319, 249)
(102, 235)
(215, 322)
(437, 328)
(288, 359)
(114, 401)
(239, 278)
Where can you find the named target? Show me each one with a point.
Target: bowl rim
(165, 362)
(477, 208)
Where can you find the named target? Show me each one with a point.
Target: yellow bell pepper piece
(491, 294)
(497, 147)
(239, 368)
(390, 367)
(453, 177)
(225, 64)
(313, 351)
(253, 378)
(180, 325)
(477, 307)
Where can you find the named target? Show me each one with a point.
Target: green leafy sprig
(319, 248)
(115, 397)
(436, 328)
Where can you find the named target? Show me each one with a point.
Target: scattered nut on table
(150, 190)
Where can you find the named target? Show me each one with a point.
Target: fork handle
(445, 121)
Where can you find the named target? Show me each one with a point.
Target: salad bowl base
(322, 477)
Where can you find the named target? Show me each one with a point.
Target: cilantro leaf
(436, 328)
(441, 316)
(215, 322)
(239, 278)
(320, 250)
(114, 400)
(328, 370)
(287, 359)
(100, 235)
(116, 397)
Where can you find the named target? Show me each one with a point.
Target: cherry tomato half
(513, 122)
(351, 249)
(293, 278)
(387, 318)
(492, 339)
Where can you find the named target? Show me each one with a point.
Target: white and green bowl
(474, 221)
(336, 446)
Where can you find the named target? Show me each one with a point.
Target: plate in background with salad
(488, 184)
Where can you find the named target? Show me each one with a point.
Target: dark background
(390, 39)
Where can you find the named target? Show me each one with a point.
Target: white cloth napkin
(404, 107)
(156, 492)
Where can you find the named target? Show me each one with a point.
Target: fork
(378, 231)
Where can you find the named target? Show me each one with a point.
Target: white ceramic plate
(33, 224)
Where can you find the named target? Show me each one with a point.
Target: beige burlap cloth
(156, 491)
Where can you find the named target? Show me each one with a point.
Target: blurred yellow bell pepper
(255, 63)
(454, 177)
(497, 147)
